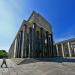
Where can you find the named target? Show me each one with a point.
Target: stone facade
(34, 39)
(65, 48)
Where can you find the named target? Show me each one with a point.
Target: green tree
(3, 54)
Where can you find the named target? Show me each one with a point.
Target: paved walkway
(38, 68)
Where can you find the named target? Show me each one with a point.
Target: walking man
(4, 62)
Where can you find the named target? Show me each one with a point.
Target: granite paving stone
(38, 68)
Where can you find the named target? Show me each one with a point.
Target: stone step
(19, 61)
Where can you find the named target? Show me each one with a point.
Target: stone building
(65, 48)
(34, 39)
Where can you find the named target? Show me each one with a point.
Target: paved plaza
(38, 68)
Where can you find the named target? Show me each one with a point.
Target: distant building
(34, 39)
(65, 48)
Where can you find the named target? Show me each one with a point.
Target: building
(34, 39)
(65, 48)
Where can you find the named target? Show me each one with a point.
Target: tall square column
(62, 49)
(15, 48)
(30, 43)
(52, 51)
(24, 41)
(69, 49)
(57, 50)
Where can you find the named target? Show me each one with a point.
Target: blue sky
(60, 13)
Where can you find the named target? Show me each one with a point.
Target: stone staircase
(19, 61)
